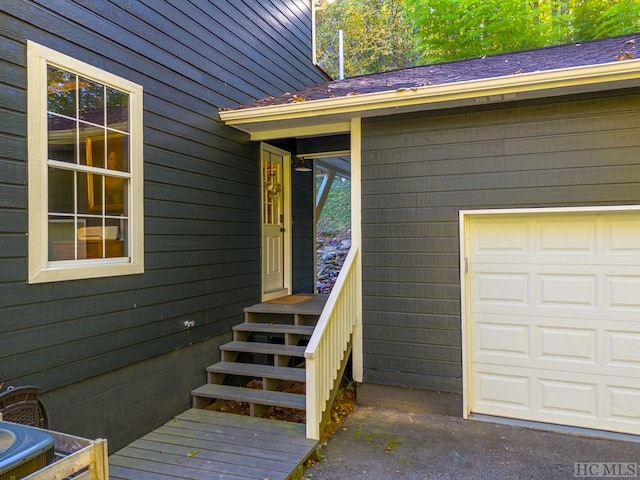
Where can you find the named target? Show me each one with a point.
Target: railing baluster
(327, 347)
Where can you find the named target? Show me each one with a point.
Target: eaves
(333, 115)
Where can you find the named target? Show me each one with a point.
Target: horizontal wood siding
(303, 229)
(202, 212)
(420, 170)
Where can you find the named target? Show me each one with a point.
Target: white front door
(552, 331)
(276, 223)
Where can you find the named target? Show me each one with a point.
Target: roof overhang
(333, 115)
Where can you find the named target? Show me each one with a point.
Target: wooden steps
(265, 347)
(258, 371)
(274, 328)
(250, 395)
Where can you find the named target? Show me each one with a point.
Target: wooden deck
(203, 444)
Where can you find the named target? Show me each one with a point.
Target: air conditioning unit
(23, 450)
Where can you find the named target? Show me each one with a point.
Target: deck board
(228, 446)
(313, 306)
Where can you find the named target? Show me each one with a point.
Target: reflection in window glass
(62, 237)
(91, 101)
(91, 140)
(89, 193)
(62, 138)
(61, 92)
(88, 125)
(61, 190)
(118, 154)
(117, 109)
(114, 188)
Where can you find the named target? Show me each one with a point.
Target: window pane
(115, 192)
(62, 237)
(115, 245)
(117, 109)
(61, 91)
(90, 193)
(98, 240)
(91, 145)
(91, 101)
(60, 190)
(61, 138)
(118, 156)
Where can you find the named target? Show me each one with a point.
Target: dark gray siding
(420, 170)
(303, 228)
(201, 185)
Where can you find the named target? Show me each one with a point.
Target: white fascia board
(274, 130)
(497, 89)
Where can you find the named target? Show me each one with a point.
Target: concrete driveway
(379, 443)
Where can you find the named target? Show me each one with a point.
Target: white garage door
(552, 325)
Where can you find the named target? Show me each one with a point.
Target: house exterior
(496, 203)
(130, 215)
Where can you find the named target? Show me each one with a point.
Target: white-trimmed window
(84, 170)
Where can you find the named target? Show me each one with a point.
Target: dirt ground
(343, 405)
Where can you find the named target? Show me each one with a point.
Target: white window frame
(40, 268)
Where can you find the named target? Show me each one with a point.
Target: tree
(605, 18)
(455, 29)
(377, 37)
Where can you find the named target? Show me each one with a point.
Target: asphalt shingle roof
(543, 59)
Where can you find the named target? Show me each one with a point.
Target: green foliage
(455, 29)
(382, 35)
(593, 19)
(377, 37)
(336, 214)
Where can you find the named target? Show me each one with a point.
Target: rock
(331, 252)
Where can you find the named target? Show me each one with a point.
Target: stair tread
(274, 328)
(251, 395)
(256, 370)
(268, 348)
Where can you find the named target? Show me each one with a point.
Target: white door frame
(464, 217)
(287, 223)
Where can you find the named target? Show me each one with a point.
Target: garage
(551, 316)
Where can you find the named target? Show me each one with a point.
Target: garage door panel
(497, 391)
(568, 291)
(554, 309)
(510, 237)
(502, 288)
(568, 344)
(565, 398)
(621, 235)
(551, 237)
(623, 405)
(572, 399)
(622, 349)
(623, 293)
(546, 343)
(502, 340)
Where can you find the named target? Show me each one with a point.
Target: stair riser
(281, 318)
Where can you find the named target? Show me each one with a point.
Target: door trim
(288, 223)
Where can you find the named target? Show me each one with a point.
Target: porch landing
(297, 304)
(203, 444)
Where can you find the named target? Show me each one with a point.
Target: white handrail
(325, 352)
